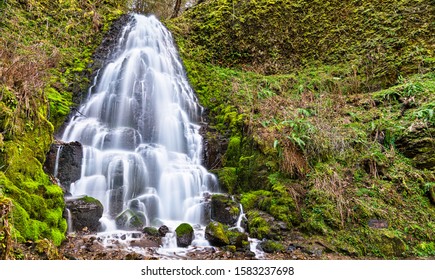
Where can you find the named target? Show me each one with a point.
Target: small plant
(426, 113)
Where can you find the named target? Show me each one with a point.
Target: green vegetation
(45, 51)
(183, 229)
(327, 108)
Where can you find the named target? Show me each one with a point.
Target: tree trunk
(176, 9)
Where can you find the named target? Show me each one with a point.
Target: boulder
(151, 231)
(224, 209)
(238, 239)
(130, 220)
(216, 235)
(163, 230)
(85, 212)
(270, 246)
(184, 233)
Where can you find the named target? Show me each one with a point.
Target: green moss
(183, 229)
(228, 178)
(270, 246)
(258, 227)
(59, 105)
(232, 154)
(218, 232)
(151, 231)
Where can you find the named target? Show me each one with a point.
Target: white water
(139, 128)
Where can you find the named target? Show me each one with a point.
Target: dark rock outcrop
(69, 163)
(418, 144)
(85, 213)
(224, 209)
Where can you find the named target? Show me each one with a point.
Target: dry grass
(5, 234)
(24, 71)
(334, 185)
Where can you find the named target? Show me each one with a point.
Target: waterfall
(140, 131)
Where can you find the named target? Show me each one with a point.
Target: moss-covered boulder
(151, 231)
(238, 239)
(224, 209)
(185, 234)
(130, 220)
(216, 235)
(85, 213)
(270, 246)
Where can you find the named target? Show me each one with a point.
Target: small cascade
(56, 165)
(259, 254)
(69, 220)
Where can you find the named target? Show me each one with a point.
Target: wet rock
(85, 213)
(224, 210)
(216, 235)
(163, 230)
(238, 239)
(127, 138)
(69, 163)
(151, 231)
(116, 198)
(151, 203)
(130, 220)
(215, 146)
(184, 233)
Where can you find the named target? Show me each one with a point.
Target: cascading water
(140, 133)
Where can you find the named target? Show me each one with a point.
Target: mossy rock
(224, 209)
(130, 219)
(238, 239)
(151, 231)
(270, 246)
(185, 234)
(85, 212)
(216, 235)
(417, 144)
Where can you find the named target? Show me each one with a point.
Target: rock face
(184, 234)
(418, 144)
(85, 212)
(224, 209)
(69, 163)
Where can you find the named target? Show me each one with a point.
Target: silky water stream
(142, 150)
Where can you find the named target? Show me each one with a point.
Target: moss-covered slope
(324, 113)
(45, 46)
